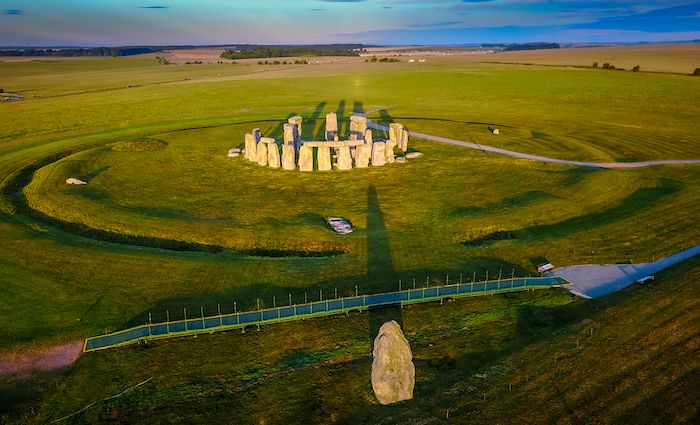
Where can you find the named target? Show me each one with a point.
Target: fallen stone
(412, 155)
(393, 372)
(73, 180)
(340, 225)
(400, 160)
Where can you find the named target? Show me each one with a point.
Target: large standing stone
(403, 145)
(288, 157)
(251, 152)
(306, 158)
(358, 126)
(273, 155)
(389, 150)
(368, 136)
(297, 121)
(331, 126)
(394, 131)
(262, 152)
(344, 158)
(393, 372)
(362, 154)
(324, 158)
(378, 154)
(290, 134)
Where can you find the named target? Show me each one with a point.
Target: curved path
(593, 281)
(541, 158)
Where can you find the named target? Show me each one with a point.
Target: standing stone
(251, 153)
(324, 158)
(331, 126)
(290, 134)
(358, 126)
(297, 121)
(362, 154)
(288, 157)
(273, 155)
(395, 130)
(262, 152)
(257, 134)
(344, 158)
(306, 158)
(393, 372)
(378, 154)
(368, 137)
(404, 141)
(389, 151)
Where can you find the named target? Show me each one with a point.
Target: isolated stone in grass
(73, 180)
(412, 155)
(496, 131)
(393, 372)
(400, 160)
(234, 152)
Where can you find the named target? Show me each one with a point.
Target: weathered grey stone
(288, 157)
(297, 121)
(378, 154)
(389, 151)
(290, 134)
(324, 158)
(362, 154)
(306, 158)
(273, 155)
(344, 158)
(412, 155)
(262, 153)
(393, 372)
(404, 141)
(368, 137)
(251, 153)
(73, 180)
(331, 126)
(358, 126)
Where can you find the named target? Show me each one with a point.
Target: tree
(595, 64)
(697, 72)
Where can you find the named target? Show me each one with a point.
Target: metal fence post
(167, 319)
(184, 313)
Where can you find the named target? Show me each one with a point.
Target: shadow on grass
(640, 199)
(521, 200)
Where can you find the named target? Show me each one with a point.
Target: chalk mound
(139, 145)
(393, 372)
(73, 180)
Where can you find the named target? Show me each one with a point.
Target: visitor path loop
(514, 154)
(593, 281)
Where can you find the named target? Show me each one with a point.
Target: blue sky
(138, 22)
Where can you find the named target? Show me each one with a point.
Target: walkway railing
(287, 313)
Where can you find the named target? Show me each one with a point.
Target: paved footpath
(593, 281)
(540, 158)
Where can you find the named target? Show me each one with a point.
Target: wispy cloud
(154, 7)
(13, 12)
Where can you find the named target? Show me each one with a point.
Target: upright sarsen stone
(324, 158)
(389, 151)
(297, 121)
(344, 158)
(362, 155)
(262, 152)
(288, 157)
(393, 372)
(290, 134)
(378, 154)
(273, 155)
(331, 126)
(251, 152)
(306, 158)
(368, 137)
(358, 126)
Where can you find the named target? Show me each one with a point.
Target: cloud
(14, 12)
(436, 24)
(154, 7)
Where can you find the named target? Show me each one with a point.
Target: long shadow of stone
(310, 122)
(358, 107)
(278, 131)
(340, 112)
(93, 174)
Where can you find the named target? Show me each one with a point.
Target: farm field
(167, 222)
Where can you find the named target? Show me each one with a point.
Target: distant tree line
(76, 52)
(530, 46)
(282, 52)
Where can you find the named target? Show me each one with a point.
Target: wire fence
(336, 305)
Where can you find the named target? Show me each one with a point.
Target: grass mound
(139, 145)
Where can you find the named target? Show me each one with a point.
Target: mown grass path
(542, 158)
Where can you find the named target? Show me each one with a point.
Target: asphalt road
(540, 158)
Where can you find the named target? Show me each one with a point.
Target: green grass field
(81, 260)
